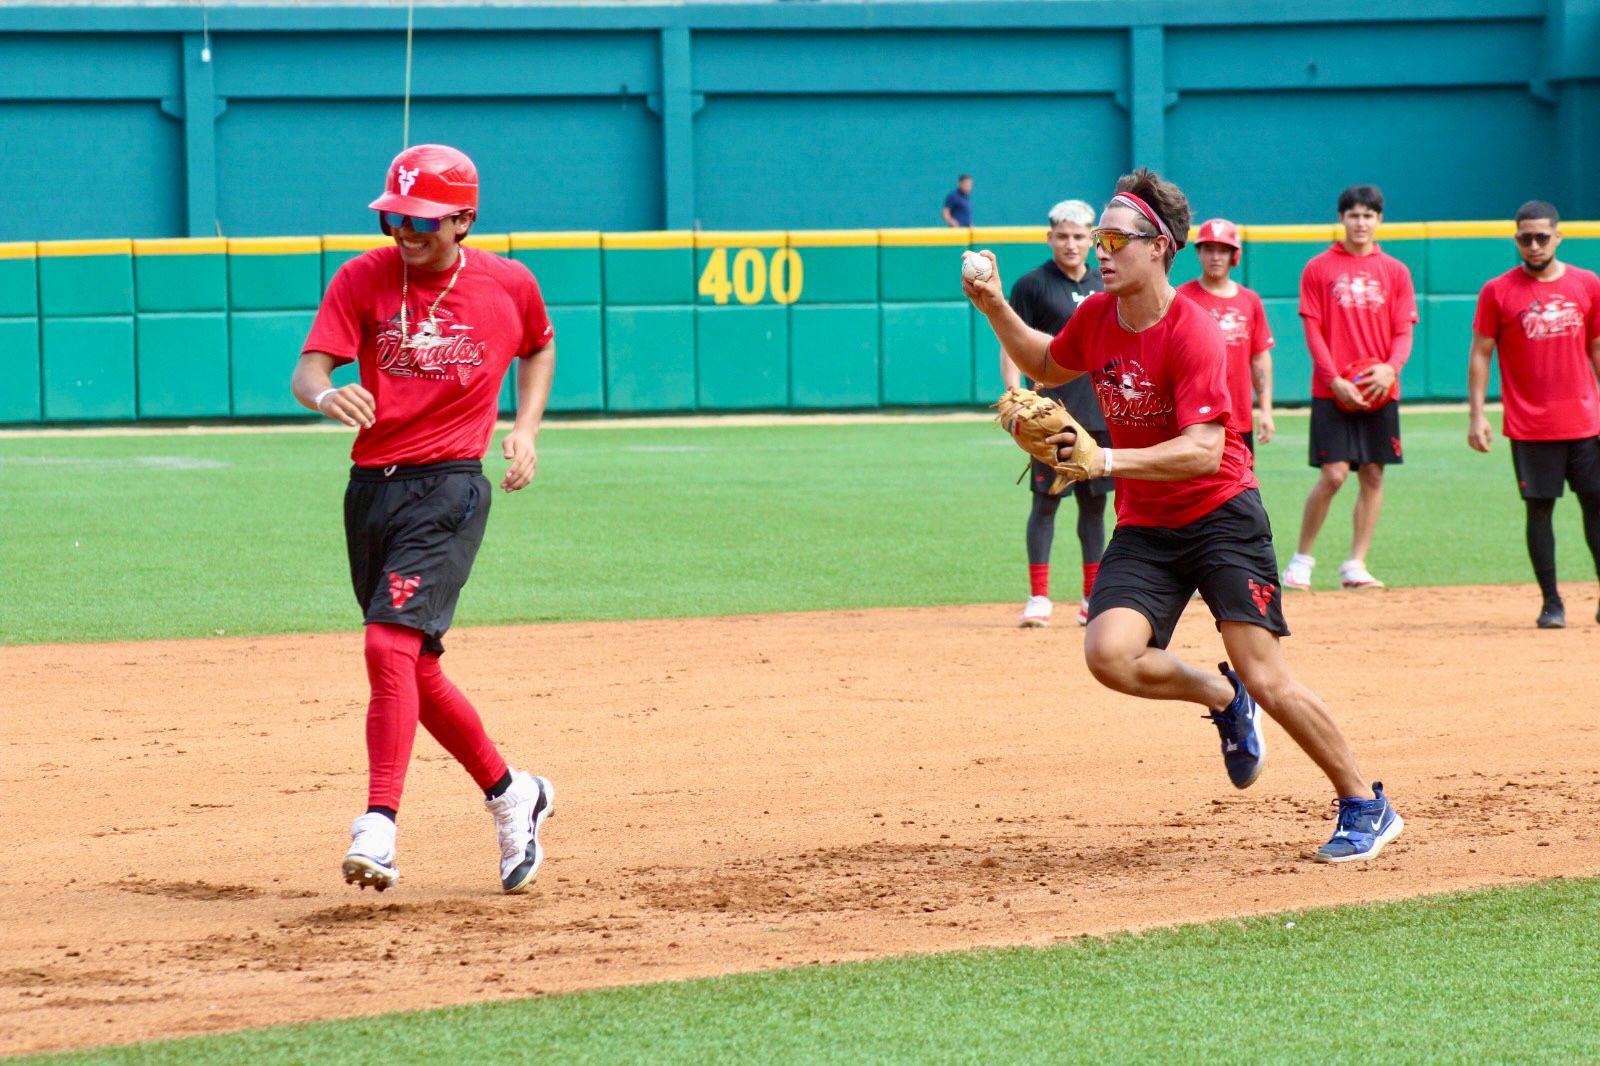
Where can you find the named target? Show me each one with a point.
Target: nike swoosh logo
(1079, 297)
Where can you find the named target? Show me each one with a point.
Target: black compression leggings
(1542, 538)
(1042, 527)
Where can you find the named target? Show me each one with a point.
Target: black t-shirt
(1045, 298)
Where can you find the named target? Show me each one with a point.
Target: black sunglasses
(1530, 240)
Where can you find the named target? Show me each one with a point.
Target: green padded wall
(833, 355)
(743, 355)
(1464, 255)
(183, 365)
(264, 347)
(580, 366)
(21, 399)
(836, 266)
(78, 278)
(1291, 360)
(567, 265)
(88, 369)
(339, 250)
(648, 269)
(927, 353)
(177, 275)
(745, 269)
(921, 265)
(649, 358)
(274, 273)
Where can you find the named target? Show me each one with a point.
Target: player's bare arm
(1479, 435)
(1261, 379)
(1028, 348)
(520, 447)
(1195, 452)
(1010, 376)
(313, 387)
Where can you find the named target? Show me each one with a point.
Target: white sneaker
(1297, 575)
(1036, 613)
(519, 812)
(1353, 574)
(370, 860)
(1083, 612)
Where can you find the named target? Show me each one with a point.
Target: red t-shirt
(1543, 330)
(1151, 386)
(439, 401)
(1359, 304)
(1245, 333)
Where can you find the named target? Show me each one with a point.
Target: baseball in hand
(975, 266)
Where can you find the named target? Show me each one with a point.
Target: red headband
(1128, 199)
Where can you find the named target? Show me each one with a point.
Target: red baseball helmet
(1220, 231)
(1352, 371)
(429, 181)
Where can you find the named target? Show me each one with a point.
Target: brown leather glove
(1031, 419)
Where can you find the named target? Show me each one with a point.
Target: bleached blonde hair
(1074, 211)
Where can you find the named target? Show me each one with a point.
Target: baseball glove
(1031, 418)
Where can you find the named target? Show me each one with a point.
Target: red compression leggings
(407, 687)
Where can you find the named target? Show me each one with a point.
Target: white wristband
(1106, 454)
(323, 395)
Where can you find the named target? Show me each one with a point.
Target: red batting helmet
(1220, 231)
(429, 181)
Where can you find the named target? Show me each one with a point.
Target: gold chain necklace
(1164, 307)
(405, 293)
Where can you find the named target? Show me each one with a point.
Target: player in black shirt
(1045, 298)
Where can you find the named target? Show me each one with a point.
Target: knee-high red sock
(455, 724)
(392, 712)
(1089, 572)
(1039, 579)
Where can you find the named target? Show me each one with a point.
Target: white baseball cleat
(1297, 575)
(519, 812)
(1083, 612)
(370, 860)
(1036, 612)
(1353, 574)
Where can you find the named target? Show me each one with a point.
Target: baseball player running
(1045, 298)
(1243, 321)
(1359, 308)
(1189, 514)
(1543, 316)
(433, 327)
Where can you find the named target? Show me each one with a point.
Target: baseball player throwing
(433, 327)
(1188, 511)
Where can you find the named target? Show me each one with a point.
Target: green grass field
(193, 535)
(128, 538)
(1506, 975)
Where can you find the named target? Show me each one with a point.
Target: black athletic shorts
(1545, 467)
(1354, 437)
(412, 533)
(1226, 554)
(1041, 477)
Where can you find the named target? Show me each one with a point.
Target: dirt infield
(733, 794)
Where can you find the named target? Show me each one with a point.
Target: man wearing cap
(1243, 320)
(433, 327)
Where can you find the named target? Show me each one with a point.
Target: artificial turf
(1505, 975)
(184, 535)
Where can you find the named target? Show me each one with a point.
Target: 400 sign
(752, 274)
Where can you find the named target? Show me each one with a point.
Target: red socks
(408, 686)
(392, 712)
(1039, 579)
(1089, 572)
(455, 724)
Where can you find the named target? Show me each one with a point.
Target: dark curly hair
(1166, 200)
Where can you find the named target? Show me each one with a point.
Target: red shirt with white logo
(1243, 321)
(1152, 385)
(1359, 304)
(1543, 330)
(436, 400)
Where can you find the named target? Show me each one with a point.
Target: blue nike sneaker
(1244, 745)
(1365, 826)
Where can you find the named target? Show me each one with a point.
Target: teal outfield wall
(206, 328)
(151, 121)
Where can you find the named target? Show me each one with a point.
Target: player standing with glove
(1188, 511)
(433, 327)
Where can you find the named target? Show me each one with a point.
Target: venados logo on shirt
(1128, 396)
(435, 353)
(1235, 326)
(1556, 316)
(1359, 290)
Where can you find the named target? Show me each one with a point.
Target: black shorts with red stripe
(412, 533)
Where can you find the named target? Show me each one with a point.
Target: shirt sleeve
(1405, 299)
(1593, 321)
(1486, 319)
(337, 328)
(1071, 346)
(1261, 338)
(537, 332)
(1020, 302)
(1311, 294)
(1199, 368)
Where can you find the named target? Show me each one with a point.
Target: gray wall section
(793, 115)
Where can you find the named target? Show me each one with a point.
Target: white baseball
(975, 266)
